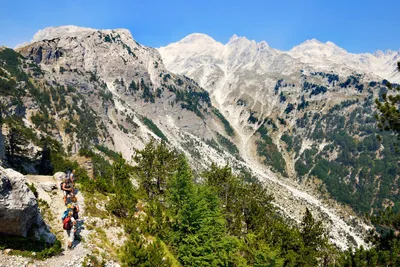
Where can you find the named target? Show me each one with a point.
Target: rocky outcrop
(19, 209)
(48, 186)
(59, 176)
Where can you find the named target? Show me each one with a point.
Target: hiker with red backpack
(69, 225)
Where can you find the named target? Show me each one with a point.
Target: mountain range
(290, 119)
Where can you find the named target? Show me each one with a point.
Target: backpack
(65, 215)
(67, 224)
(61, 184)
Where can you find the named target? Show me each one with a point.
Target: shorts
(66, 193)
(71, 235)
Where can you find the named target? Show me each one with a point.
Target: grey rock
(48, 186)
(18, 206)
(59, 176)
(19, 209)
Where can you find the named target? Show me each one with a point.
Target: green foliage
(155, 163)
(26, 246)
(288, 140)
(223, 220)
(142, 253)
(123, 202)
(32, 187)
(107, 38)
(314, 237)
(108, 152)
(305, 163)
(11, 63)
(269, 151)
(147, 94)
(198, 225)
(230, 146)
(389, 117)
(149, 123)
(228, 128)
(193, 100)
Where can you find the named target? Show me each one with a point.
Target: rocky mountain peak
(315, 47)
(196, 38)
(61, 32)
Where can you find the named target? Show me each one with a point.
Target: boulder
(18, 205)
(19, 208)
(48, 186)
(59, 176)
(8, 251)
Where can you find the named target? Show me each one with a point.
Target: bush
(33, 189)
(228, 128)
(26, 246)
(149, 123)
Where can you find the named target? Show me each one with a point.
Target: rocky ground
(86, 251)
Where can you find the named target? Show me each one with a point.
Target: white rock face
(201, 51)
(59, 32)
(77, 56)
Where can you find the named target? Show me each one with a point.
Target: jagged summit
(312, 53)
(62, 31)
(71, 31)
(235, 39)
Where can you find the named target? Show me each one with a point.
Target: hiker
(75, 207)
(71, 175)
(68, 189)
(69, 225)
(69, 199)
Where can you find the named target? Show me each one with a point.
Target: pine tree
(143, 253)
(123, 202)
(314, 239)
(156, 164)
(198, 225)
(389, 117)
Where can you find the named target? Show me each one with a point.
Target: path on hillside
(54, 198)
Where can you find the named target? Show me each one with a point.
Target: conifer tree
(314, 239)
(389, 117)
(198, 225)
(155, 164)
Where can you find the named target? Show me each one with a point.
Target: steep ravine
(289, 196)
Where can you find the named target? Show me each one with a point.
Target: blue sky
(356, 25)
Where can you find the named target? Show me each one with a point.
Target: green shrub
(33, 189)
(228, 128)
(149, 123)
